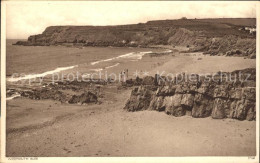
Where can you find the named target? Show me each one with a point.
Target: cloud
(27, 18)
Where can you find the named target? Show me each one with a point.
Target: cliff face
(213, 36)
(198, 98)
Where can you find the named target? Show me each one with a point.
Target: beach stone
(202, 106)
(157, 103)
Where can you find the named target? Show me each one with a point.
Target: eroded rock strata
(212, 36)
(219, 98)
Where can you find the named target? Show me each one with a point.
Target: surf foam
(112, 66)
(12, 97)
(30, 76)
(132, 55)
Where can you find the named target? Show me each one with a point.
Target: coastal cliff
(231, 37)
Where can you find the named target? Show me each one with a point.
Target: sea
(27, 62)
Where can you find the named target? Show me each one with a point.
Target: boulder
(253, 56)
(41, 94)
(221, 91)
(173, 105)
(202, 106)
(139, 100)
(187, 100)
(148, 80)
(178, 89)
(251, 114)
(249, 93)
(165, 91)
(157, 103)
(86, 97)
(221, 108)
(235, 93)
(206, 88)
(242, 109)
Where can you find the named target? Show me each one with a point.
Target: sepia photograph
(106, 79)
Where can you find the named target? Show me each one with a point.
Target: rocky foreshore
(199, 98)
(72, 92)
(220, 95)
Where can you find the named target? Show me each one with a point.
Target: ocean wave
(167, 51)
(31, 76)
(97, 69)
(12, 97)
(132, 55)
(112, 66)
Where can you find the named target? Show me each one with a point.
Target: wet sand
(49, 128)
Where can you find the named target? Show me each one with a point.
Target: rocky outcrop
(42, 94)
(73, 92)
(211, 36)
(84, 98)
(218, 99)
(140, 99)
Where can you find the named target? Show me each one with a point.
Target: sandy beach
(48, 128)
(43, 128)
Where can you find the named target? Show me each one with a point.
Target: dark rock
(249, 93)
(41, 94)
(217, 98)
(87, 97)
(173, 105)
(165, 91)
(251, 114)
(221, 91)
(157, 103)
(242, 109)
(235, 93)
(202, 106)
(148, 80)
(221, 108)
(187, 100)
(139, 100)
(253, 56)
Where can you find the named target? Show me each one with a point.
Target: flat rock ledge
(200, 98)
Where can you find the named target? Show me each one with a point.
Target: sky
(28, 18)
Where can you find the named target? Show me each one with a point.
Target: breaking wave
(12, 97)
(133, 55)
(26, 77)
